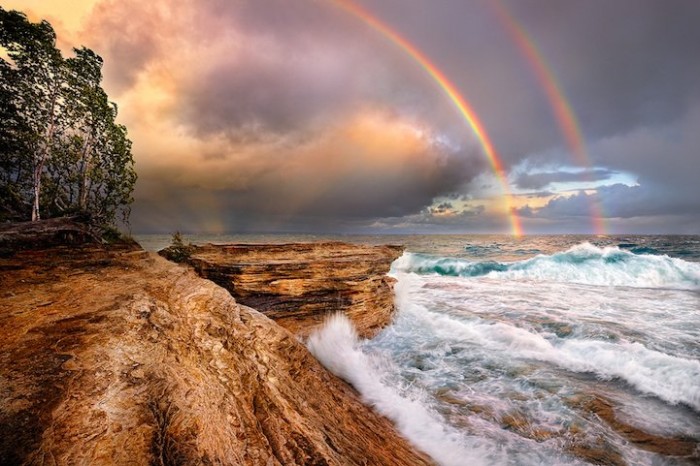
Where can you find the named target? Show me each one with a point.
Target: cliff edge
(118, 356)
(299, 284)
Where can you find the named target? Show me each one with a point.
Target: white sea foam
(584, 263)
(516, 337)
(671, 378)
(337, 347)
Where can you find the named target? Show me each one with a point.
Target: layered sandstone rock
(122, 357)
(299, 284)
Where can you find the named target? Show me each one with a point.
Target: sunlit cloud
(259, 115)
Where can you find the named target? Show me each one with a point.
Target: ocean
(543, 350)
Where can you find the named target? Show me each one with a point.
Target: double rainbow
(563, 113)
(465, 110)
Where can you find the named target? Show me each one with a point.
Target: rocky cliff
(121, 357)
(299, 284)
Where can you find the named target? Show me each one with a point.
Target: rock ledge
(299, 284)
(122, 357)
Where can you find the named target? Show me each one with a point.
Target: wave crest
(583, 263)
(337, 347)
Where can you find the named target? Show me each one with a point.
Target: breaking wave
(583, 263)
(337, 347)
(670, 378)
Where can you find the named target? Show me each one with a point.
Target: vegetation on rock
(178, 251)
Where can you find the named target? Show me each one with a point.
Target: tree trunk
(39, 167)
(36, 182)
(84, 166)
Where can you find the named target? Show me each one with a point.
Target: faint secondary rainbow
(563, 113)
(459, 101)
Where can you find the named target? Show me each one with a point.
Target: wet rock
(597, 451)
(604, 409)
(522, 425)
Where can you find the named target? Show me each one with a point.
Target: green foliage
(178, 251)
(112, 235)
(61, 150)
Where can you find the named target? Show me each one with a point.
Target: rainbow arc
(563, 112)
(465, 109)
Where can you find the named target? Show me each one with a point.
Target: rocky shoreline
(299, 284)
(113, 355)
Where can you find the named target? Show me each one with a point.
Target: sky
(300, 116)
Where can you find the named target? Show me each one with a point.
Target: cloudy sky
(297, 115)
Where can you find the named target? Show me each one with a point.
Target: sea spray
(337, 347)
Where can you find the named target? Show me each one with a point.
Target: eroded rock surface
(122, 357)
(299, 284)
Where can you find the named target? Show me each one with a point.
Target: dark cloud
(623, 64)
(432, 220)
(251, 68)
(562, 206)
(254, 127)
(617, 201)
(333, 177)
(538, 194)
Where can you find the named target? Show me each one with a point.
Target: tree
(14, 165)
(36, 81)
(62, 150)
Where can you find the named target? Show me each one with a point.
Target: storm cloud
(273, 115)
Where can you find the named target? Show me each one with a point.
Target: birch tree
(36, 79)
(61, 149)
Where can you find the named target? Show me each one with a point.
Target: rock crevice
(299, 284)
